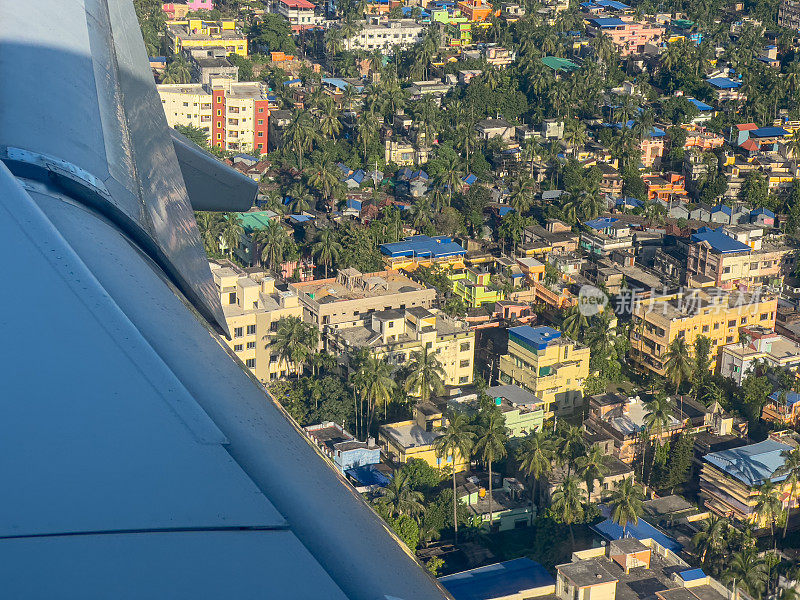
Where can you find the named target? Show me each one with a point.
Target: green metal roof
(559, 64)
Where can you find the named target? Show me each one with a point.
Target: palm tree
(299, 198)
(711, 538)
(593, 466)
(178, 71)
(574, 323)
(400, 498)
(536, 457)
(456, 440)
(324, 177)
(491, 446)
(678, 365)
(329, 124)
(367, 130)
(426, 377)
(768, 505)
(567, 502)
(627, 503)
(570, 444)
(232, 233)
(273, 241)
(326, 248)
(421, 214)
(659, 415)
(377, 384)
(748, 571)
(522, 194)
(450, 175)
(790, 468)
(300, 134)
(294, 341)
(210, 225)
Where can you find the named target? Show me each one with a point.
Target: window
(238, 332)
(273, 327)
(391, 324)
(237, 347)
(764, 316)
(261, 121)
(465, 346)
(732, 323)
(464, 363)
(260, 134)
(743, 320)
(251, 345)
(729, 339)
(251, 363)
(251, 330)
(232, 298)
(705, 328)
(716, 326)
(463, 379)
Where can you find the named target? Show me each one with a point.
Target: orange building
(476, 11)
(669, 187)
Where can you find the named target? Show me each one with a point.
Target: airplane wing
(138, 458)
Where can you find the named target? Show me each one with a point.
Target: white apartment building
(234, 114)
(384, 34)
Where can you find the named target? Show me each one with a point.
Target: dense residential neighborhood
(526, 274)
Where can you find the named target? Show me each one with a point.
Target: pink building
(652, 149)
(179, 10)
(303, 269)
(630, 37)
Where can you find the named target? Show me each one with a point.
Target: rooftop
(409, 435)
(423, 246)
(538, 337)
(640, 531)
(514, 394)
(723, 83)
(753, 464)
(374, 285)
(498, 580)
(588, 572)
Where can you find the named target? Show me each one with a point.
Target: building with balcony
(522, 411)
(510, 506)
(764, 346)
(195, 34)
(714, 313)
(605, 235)
(235, 115)
(386, 34)
(475, 288)
(550, 366)
(629, 36)
(396, 334)
(415, 438)
(301, 14)
(253, 306)
(350, 298)
(423, 250)
(477, 11)
(730, 480)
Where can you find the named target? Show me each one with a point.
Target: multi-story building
(789, 14)
(301, 14)
(606, 235)
(730, 480)
(475, 288)
(616, 472)
(234, 114)
(415, 438)
(196, 34)
(667, 188)
(547, 364)
(386, 34)
(397, 334)
(711, 312)
(342, 448)
(630, 37)
(523, 413)
(422, 250)
(510, 507)
(350, 298)
(179, 10)
(737, 256)
(405, 154)
(253, 306)
(635, 569)
(476, 11)
(764, 346)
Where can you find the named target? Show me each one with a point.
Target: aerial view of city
(401, 299)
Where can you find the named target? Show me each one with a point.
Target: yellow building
(730, 480)
(415, 438)
(397, 334)
(423, 250)
(252, 308)
(712, 312)
(547, 364)
(474, 288)
(197, 33)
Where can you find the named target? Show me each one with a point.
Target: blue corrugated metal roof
(607, 22)
(368, 475)
(751, 464)
(504, 210)
(762, 211)
(601, 224)
(723, 209)
(538, 337)
(612, 4)
(423, 246)
(692, 574)
(500, 580)
(719, 241)
(641, 531)
(769, 132)
(701, 106)
(792, 398)
(356, 204)
(469, 179)
(724, 83)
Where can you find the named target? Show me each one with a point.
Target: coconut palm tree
(535, 457)
(627, 503)
(522, 194)
(324, 176)
(711, 539)
(232, 233)
(294, 341)
(400, 498)
(678, 364)
(748, 570)
(490, 446)
(574, 323)
(299, 198)
(592, 466)
(659, 415)
(570, 444)
(273, 241)
(426, 377)
(326, 248)
(210, 225)
(567, 503)
(329, 123)
(450, 174)
(768, 505)
(377, 385)
(456, 441)
(300, 134)
(791, 469)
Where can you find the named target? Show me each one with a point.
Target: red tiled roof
(749, 145)
(746, 126)
(298, 4)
